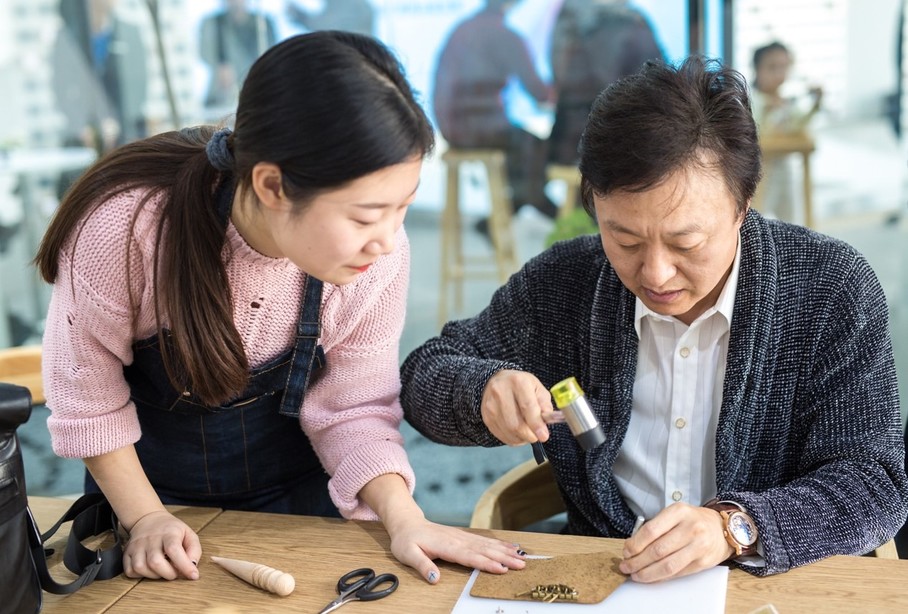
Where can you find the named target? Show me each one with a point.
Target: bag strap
(91, 515)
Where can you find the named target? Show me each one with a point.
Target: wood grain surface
(317, 551)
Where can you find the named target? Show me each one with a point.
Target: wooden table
(776, 146)
(318, 550)
(100, 595)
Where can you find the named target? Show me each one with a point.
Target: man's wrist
(738, 528)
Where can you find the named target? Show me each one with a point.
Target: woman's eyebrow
(382, 205)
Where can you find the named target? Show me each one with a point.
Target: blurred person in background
(100, 76)
(348, 15)
(594, 43)
(476, 63)
(778, 115)
(230, 41)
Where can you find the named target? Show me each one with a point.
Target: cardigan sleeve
(851, 491)
(535, 323)
(443, 380)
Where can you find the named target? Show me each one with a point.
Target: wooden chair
(453, 261)
(887, 551)
(527, 494)
(22, 366)
(524, 495)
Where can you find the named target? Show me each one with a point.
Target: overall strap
(306, 351)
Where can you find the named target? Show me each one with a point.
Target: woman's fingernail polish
(521, 552)
(196, 563)
(433, 576)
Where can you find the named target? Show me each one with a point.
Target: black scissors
(360, 584)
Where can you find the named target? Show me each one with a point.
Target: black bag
(23, 559)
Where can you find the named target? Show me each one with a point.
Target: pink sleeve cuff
(361, 466)
(95, 435)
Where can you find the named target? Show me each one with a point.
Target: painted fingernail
(503, 565)
(521, 552)
(196, 563)
(433, 576)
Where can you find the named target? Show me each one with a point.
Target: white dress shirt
(669, 452)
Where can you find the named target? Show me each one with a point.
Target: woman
(213, 289)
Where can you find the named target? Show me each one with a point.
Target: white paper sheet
(701, 593)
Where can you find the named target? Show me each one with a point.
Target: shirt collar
(724, 306)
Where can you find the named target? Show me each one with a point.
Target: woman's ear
(268, 185)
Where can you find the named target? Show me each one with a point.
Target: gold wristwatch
(740, 530)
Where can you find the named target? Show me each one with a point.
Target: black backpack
(23, 564)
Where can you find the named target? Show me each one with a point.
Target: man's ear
(268, 185)
(746, 209)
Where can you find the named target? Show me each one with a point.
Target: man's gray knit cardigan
(809, 434)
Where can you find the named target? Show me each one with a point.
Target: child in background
(776, 115)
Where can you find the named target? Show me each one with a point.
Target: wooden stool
(453, 261)
(570, 175)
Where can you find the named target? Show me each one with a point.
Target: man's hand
(516, 408)
(678, 541)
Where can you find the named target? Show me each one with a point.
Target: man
(476, 63)
(741, 368)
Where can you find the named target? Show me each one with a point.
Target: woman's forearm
(121, 478)
(389, 497)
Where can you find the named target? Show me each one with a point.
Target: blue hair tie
(219, 154)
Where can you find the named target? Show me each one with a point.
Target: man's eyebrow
(688, 230)
(383, 205)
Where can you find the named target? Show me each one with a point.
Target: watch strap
(726, 509)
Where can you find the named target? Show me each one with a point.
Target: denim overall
(248, 454)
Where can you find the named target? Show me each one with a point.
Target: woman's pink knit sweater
(351, 413)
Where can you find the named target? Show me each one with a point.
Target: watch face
(742, 529)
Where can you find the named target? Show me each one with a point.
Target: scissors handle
(368, 591)
(354, 580)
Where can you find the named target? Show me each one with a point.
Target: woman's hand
(516, 408)
(417, 542)
(161, 546)
(679, 540)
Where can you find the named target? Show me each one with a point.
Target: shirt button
(680, 423)
(685, 352)
(676, 496)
